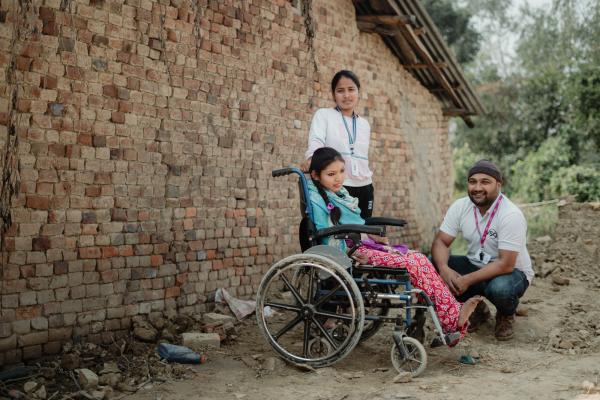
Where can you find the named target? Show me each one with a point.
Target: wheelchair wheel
(416, 360)
(310, 310)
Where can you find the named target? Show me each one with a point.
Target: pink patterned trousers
(423, 276)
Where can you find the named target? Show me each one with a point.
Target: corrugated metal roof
(406, 27)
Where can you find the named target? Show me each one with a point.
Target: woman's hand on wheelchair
(380, 239)
(360, 257)
(305, 165)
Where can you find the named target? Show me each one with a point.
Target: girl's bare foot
(467, 309)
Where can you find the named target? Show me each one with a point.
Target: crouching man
(497, 264)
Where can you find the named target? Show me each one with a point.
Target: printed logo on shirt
(493, 233)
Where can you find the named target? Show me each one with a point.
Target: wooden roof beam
(424, 55)
(426, 66)
(393, 20)
(455, 112)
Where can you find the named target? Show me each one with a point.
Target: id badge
(484, 257)
(354, 168)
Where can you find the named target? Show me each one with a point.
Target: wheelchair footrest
(449, 338)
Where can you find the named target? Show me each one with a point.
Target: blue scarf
(348, 205)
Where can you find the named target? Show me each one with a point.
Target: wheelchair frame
(324, 284)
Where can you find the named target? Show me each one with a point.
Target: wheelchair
(313, 308)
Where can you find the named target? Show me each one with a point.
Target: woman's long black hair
(321, 159)
(344, 74)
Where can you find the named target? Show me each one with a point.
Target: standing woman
(344, 130)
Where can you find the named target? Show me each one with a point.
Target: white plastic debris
(240, 308)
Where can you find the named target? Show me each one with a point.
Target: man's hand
(460, 284)
(449, 276)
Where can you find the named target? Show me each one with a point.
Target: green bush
(581, 181)
(532, 175)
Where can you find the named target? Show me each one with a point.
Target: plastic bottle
(179, 354)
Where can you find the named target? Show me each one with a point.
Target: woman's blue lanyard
(351, 136)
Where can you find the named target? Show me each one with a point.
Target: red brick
(85, 139)
(217, 265)
(156, 260)
(48, 82)
(100, 40)
(109, 90)
(109, 251)
(28, 312)
(172, 292)
(23, 63)
(117, 117)
(89, 252)
(92, 191)
(181, 279)
(126, 251)
(75, 73)
(61, 267)
(41, 243)
(56, 149)
(38, 202)
(109, 276)
(47, 14)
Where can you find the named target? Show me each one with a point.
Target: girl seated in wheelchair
(332, 205)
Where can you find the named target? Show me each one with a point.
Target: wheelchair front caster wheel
(415, 361)
(319, 347)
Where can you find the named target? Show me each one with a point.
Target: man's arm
(503, 265)
(440, 249)
(440, 252)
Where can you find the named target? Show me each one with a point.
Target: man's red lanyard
(487, 226)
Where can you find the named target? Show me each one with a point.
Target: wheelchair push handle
(288, 170)
(282, 172)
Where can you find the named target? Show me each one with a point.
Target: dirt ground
(555, 353)
(556, 349)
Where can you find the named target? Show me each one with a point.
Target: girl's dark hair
(321, 159)
(344, 74)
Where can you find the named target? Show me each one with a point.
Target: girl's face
(346, 94)
(332, 177)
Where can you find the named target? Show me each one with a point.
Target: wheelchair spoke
(292, 289)
(310, 293)
(413, 359)
(345, 317)
(328, 296)
(288, 326)
(325, 334)
(288, 307)
(306, 338)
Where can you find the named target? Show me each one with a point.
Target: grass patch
(541, 220)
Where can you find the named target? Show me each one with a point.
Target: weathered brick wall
(410, 153)
(147, 132)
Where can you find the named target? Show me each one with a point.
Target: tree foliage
(455, 25)
(543, 117)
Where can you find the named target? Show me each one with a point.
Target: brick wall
(147, 131)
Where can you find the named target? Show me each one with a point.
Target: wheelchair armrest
(385, 221)
(349, 228)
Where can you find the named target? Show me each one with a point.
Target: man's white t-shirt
(508, 231)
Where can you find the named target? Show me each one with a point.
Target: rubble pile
(574, 250)
(104, 371)
(579, 331)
